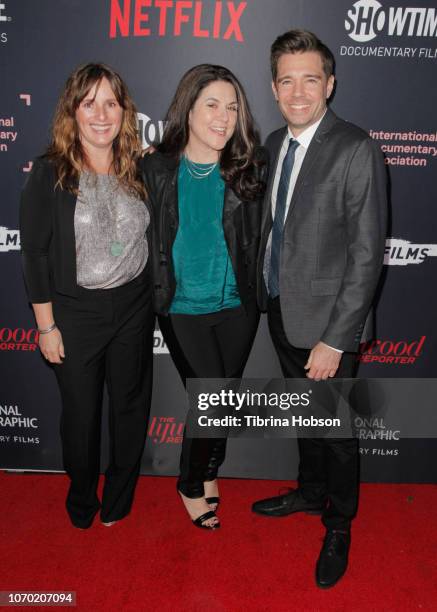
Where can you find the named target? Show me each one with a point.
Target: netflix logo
(207, 19)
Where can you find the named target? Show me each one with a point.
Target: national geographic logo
(13, 426)
(374, 429)
(10, 416)
(367, 19)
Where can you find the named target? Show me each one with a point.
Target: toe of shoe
(327, 576)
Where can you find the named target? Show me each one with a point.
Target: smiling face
(212, 121)
(99, 118)
(301, 89)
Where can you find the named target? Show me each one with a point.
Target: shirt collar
(306, 136)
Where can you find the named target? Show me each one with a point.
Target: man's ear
(275, 91)
(330, 86)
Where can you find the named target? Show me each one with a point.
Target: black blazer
(48, 243)
(241, 226)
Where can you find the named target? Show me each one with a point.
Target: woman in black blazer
(205, 182)
(84, 223)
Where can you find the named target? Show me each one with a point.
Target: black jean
(108, 337)
(328, 468)
(215, 345)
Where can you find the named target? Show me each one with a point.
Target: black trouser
(108, 337)
(215, 345)
(328, 468)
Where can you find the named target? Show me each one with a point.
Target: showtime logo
(400, 252)
(173, 17)
(165, 430)
(367, 18)
(18, 339)
(390, 352)
(150, 131)
(9, 240)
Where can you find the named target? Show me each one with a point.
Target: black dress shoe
(332, 561)
(282, 505)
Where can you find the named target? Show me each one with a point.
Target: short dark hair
(299, 41)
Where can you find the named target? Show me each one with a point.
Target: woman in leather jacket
(205, 182)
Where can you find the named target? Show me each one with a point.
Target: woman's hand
(51, 346)
(148, 151)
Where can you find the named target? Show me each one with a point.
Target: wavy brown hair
(238, 160)
(66, 150)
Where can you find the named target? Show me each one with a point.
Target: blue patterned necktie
(278, 221)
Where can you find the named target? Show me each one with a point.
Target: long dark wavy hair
(238, 161)
(66, 149)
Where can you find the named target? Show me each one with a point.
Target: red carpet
(156, 560)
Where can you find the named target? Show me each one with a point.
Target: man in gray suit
(322, 248)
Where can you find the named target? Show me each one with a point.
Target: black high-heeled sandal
(213, 500)
(201, 520)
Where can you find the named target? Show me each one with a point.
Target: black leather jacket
(241, 225)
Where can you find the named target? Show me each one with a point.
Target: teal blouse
(205, 280)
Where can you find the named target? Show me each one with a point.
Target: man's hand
(51, 346)
(323, 362)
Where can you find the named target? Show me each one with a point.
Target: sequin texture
(110, 229)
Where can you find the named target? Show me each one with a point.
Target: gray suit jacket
(334, 237)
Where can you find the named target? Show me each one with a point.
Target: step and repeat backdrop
(386, 56)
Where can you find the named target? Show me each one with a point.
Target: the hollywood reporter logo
(203, 19)
(391, 352)
(18, 339)
(368, 18)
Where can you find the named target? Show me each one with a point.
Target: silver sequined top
(110, 228)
